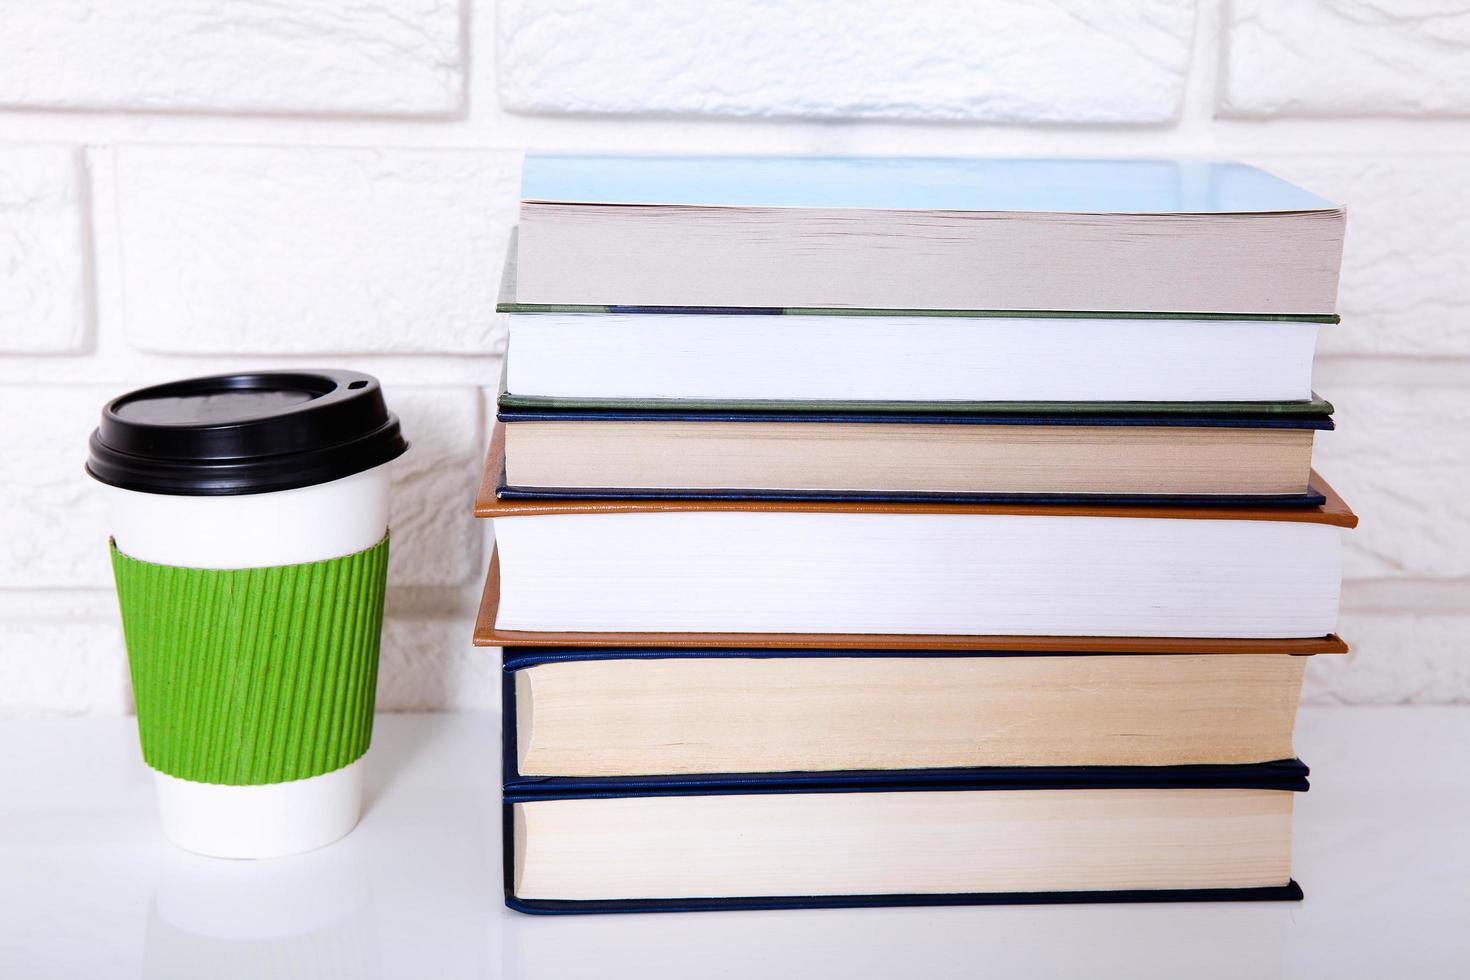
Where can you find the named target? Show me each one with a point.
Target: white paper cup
(253, 530)
(259, 530)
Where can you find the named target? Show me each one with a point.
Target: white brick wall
(1005, 60)
(382, 57)
(370, 250)
(190, 186)
(43, 250)
(1399, 456)
(1346, 57)
(63, 667)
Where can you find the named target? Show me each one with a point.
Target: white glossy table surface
(89, 888)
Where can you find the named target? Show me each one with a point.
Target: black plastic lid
(244, 433)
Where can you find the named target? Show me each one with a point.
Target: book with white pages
(569, 356)
(620, 571)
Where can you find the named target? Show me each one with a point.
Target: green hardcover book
(1315, 407)
(583, 357)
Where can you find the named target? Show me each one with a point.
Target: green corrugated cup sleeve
(254, 675)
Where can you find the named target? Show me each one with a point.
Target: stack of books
(907, 532)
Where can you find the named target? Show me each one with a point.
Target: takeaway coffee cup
(249, 523)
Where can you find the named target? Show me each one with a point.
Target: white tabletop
(89, 888)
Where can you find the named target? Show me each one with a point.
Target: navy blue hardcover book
(676, 714)
(1232, 421)
(851, 798)
(526, 854)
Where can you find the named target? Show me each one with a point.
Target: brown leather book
(1295, 607)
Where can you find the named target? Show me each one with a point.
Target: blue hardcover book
(577, 715)
(774, 233)
(611, 804)
(1062, 454)
(1001, 836)
(997, 836)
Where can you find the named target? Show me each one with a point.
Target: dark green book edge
(508, 304)
(1316, 407)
